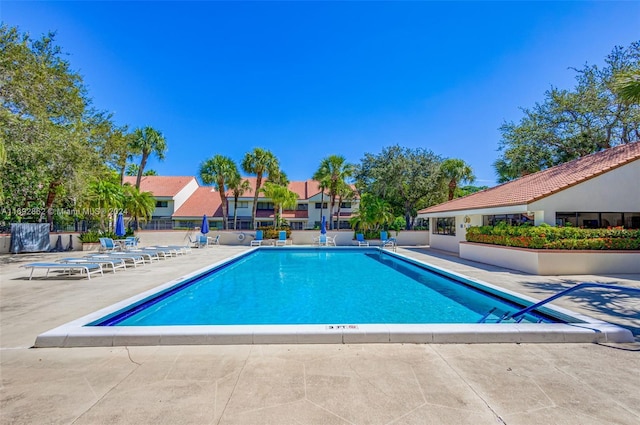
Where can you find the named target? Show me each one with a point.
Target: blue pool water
(317, 286)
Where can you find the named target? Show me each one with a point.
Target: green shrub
(271, 233)
(548, 237)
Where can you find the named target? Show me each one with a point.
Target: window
(302, 207)
(345, 205)
(321, 206)
(296, 225)
(265, 206)
(444, 226)
(243, 204)
(599, 220)
(162, 204)
(510, 219)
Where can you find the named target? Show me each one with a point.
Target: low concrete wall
(305, 237)
(553, 262)
(229, 237)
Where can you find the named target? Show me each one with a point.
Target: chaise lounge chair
(387, 242)
(108, 245)
(258, 239)
(131, 258)
(114, 263)
(88, 268)
(361, 240)
(282, 238)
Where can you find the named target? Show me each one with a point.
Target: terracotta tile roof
(161, 185)
(544, 183)
(203, 201)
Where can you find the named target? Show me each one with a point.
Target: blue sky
(310, 79)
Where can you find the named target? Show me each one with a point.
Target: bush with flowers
(548, 237)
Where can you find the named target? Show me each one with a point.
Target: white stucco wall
(553, 262)
(448, 242)
(615, 191)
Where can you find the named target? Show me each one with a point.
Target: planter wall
(90, 246)
(553, 262)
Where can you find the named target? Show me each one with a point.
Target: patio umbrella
(204, 228)
(120, 230)
(323, 226)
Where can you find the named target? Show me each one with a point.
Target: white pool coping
(586, 330)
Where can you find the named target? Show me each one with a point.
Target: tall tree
(260, 162)
(218, 171)
(627, 86)
(118, 151)
(455, 171)
(147, 141)
(333, 173)
(281, 197)
(238, 187)
(408, 179)
(48, 129)
(133, 169)
(569, 124)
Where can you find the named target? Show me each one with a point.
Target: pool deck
(307, 384)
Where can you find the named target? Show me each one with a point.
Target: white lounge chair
(114, 263)
(88, 268)
(131, 258)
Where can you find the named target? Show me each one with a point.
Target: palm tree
(373, 214)
(333, 173)
(218, 171)
(238, 187)
(345, 193)
(105, 197)
(139, 205)
(456, 171)
(259, 162)
(281, 197)
(627, 86)
(146, 141)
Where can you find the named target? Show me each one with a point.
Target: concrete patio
(307, 384)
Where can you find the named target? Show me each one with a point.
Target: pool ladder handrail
(572, 289)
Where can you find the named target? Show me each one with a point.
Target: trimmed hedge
(271, 233)
(547, 237)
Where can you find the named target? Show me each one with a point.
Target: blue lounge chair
(258, 239)
(282, 238)
(361, 240)
(108, 245)
(131, 242)
(387, 242)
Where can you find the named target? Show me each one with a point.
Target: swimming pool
(311, 286)
(339, 308)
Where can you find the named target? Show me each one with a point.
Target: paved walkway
(306, 384)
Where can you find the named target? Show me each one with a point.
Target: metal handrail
(574, 288)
